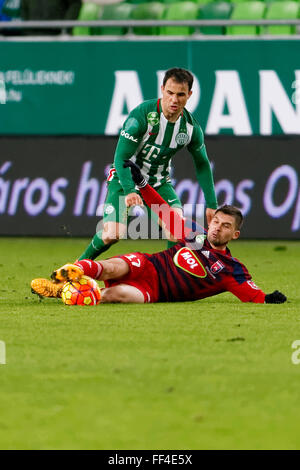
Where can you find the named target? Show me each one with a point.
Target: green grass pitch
(212, 374)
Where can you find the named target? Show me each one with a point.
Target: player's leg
(114, 269)
(46, 288)
(122, 293)
(167, 192)
(114, 222)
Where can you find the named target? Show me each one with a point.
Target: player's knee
(112, 233)
(116, 294)
(109, 239)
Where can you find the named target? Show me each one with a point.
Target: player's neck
(221, 248)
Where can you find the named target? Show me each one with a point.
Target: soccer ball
(83, 292)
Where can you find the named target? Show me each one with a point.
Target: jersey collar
(223, 252)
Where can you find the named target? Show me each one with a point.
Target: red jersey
(191, 274)
(185, 274)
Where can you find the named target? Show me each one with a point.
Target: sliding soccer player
(195, 268)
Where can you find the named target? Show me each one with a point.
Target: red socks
(90, 268)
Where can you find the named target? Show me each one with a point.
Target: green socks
(95, 248)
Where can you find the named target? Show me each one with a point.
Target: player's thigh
(114, 213)
(122, 293)
(115, 209)
(114, 268)
(167, 192)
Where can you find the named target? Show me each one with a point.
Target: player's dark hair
(180, 76)
(235, 212)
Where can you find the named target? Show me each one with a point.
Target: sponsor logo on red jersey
(187, 260)
(217, 267)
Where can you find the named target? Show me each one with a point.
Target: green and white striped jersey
(150, 140)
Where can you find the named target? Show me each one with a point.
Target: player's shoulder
(198, 135)
(137, 121)
(146, 107)
(227, 257)
(191, 119)
(239, 269)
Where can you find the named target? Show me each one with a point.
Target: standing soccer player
(153, 132)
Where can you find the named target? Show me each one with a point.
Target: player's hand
(275, 298)
(135, 173)
(209, 215)
(133, 199)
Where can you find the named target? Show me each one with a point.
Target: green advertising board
(61, 87)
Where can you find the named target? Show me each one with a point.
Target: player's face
(174, 98)
(221, 230)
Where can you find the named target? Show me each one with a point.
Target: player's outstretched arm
(203, 168)
(249, 292)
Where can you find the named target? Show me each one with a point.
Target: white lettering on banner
(2, 92)
(87, 186)
(39, 77)
(242, 197)
(284, 171)
(14, 96)
(279, 197)
(127, 92)
(274, 100)
(18, 187)
(33, 207)
(230, 193)
(227, 187)
(188, 190)
(191, 189)
(296, 95)
(4, 187)
(57, 197)
(29, 77)
(296, 218)
(228, 90)
(193, 101)
(37, 193)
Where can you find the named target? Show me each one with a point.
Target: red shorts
(142, 275)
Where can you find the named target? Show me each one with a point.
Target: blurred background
(67, 85)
